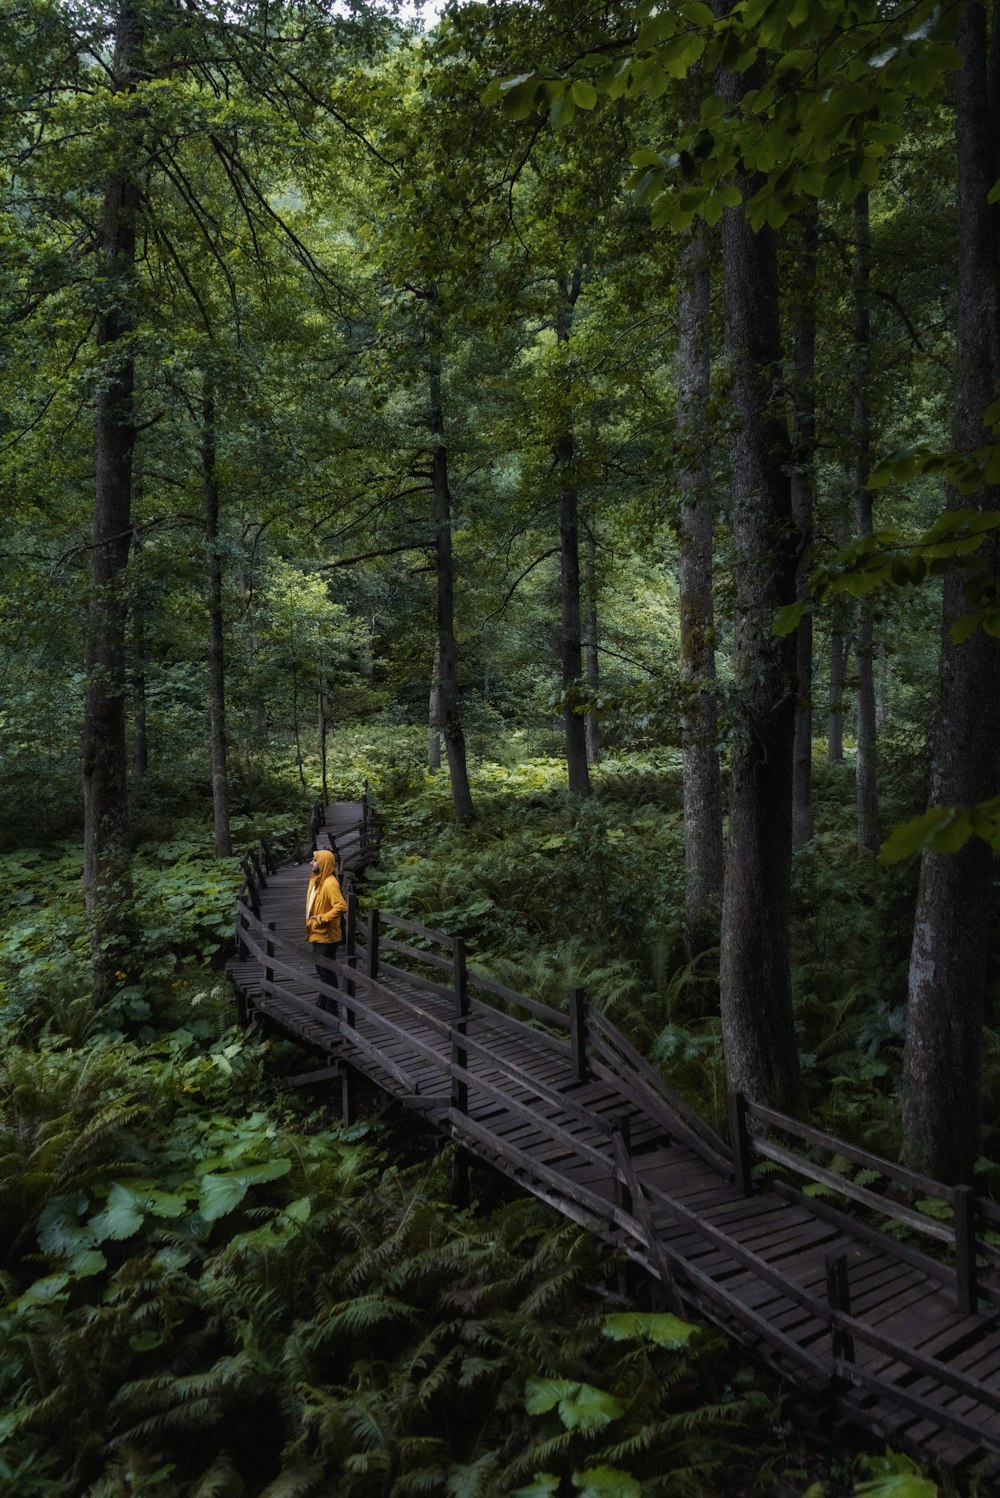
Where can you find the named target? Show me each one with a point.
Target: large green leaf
(606, 1482)
(662, 1328)
(581, 1406)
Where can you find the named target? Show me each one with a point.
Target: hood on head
(327, 862)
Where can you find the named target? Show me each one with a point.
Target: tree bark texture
(571, 632)
(451, 721)
(107, 873)
(866, 761)
(951, 938)
(592, 664)
(840, 654)
(758, 1026)
(803, 482)
(216, 642)
(140, 727)
(434, 714)
(703, 857)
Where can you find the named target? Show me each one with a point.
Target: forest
(577, 423)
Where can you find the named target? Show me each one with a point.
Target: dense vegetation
(572, 420)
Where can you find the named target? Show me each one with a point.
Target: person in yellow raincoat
(325, 908)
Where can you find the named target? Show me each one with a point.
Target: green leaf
(662, 1328)
(221, 1191)
(787, 618)
(584, 94)
(562, 111)
(581, 1406)
(993, 196)
(943, 829)
(122, 1215)
(606, 1482)
(87, 1261)
(543, 1485)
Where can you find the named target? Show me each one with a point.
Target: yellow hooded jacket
(325, 904)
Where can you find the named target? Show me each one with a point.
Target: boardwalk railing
(951, 1215)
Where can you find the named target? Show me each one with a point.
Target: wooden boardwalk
(887, 1314)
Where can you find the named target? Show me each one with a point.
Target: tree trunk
(216, 643)
(951, 937)
(840, 652)
(591, 659)
(451, 722)
(434, 714)
(762, 1058)
(324, 727)
(703, 860)
(570, 637)
(107, 871)
(803, 480)
(866, 763)
(140, 728)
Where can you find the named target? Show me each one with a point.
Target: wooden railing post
(461, 978)
(621, 1144)
(966, 1288)
(577, 1033)
(838, 1296)
(242, 950)
(739, 1141)
(251, 885)
(350, 952)
(459, 1055)
(269, 950)
(373, 943)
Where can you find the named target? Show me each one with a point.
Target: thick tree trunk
(140, 727)
(951, 937)
(866, 764)
(758, 1026)
(434, 714)
(216, 643)
(451, 721)
(703, 860)
(803, 479)
(591, 658)
(571, 631)
(840, 652)
(107, 873)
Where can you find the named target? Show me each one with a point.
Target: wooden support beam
(739, 1143)
(577, 1032)
(838, 1296)
(966, 1292)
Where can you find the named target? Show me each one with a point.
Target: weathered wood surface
(565, 1106)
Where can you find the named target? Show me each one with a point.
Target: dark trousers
(323, 953)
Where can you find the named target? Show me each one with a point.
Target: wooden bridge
(871, 1287)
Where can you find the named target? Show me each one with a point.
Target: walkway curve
(831, 1289)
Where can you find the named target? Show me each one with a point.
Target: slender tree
(107, 876)
(762, 1057)
(866, 764)
(571, 630)
(803, 482)
(703, 860)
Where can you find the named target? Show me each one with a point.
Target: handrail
(960, 1234)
